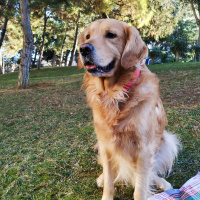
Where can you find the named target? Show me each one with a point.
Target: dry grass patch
(46, 133)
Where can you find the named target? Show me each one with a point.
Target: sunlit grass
(47, 134)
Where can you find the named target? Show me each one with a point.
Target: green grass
(47, 134)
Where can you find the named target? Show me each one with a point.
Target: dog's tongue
(90, 66)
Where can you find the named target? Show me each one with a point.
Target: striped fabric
(189, 191)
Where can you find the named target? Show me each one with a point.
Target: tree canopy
(56, 24)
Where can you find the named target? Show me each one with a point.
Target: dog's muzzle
(86, 49)
(100, 69)
(87, 52)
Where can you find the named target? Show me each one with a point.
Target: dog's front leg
(108, 186)
(142, 177)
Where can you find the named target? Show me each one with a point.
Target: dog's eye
(111, 35)
(87, 36)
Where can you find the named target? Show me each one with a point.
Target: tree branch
(195, 14)
(104, 15)
(3, 32)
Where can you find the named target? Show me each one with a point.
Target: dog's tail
(167, 154)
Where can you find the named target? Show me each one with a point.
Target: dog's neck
(131, 84)
(130, 77)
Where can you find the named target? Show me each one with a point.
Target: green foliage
(14, 38)
(180, 45)
(189, 29)
(195, 7)
(8, 8)
(196, 51)
(196, 2)
(155, 19)
(179, 40)
(163, 19)
(196, 48)
(155, 53)
(167, 57)
(134, 12)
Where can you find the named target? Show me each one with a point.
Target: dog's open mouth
(94, 68)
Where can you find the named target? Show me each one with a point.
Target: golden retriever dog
(129, 118)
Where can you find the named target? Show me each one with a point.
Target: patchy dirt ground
(182, 88)
(47, 134)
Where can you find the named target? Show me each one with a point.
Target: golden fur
(130, 125)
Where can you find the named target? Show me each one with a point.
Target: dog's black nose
(86, 49)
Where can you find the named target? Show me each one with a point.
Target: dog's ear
(80, 41)
(135, 50)
(80, 63)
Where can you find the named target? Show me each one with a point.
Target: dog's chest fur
(117, 114)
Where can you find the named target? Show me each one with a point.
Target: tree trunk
(61, 58)
(66, 56)
(63, 44)
(176, 56)
(153, 59)
(33, 65)
(75, 40)
(195, 58)
(43, 36)
(104, 15)
(198, 42)
(3, 32)
(28, 41)
(197, 55)
(3, 66)
(54, 59)
(1, 63)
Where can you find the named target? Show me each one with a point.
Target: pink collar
(130, 84)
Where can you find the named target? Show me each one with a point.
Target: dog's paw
(165, 186)
(100, 181)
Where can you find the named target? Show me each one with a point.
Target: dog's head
(108, 44)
